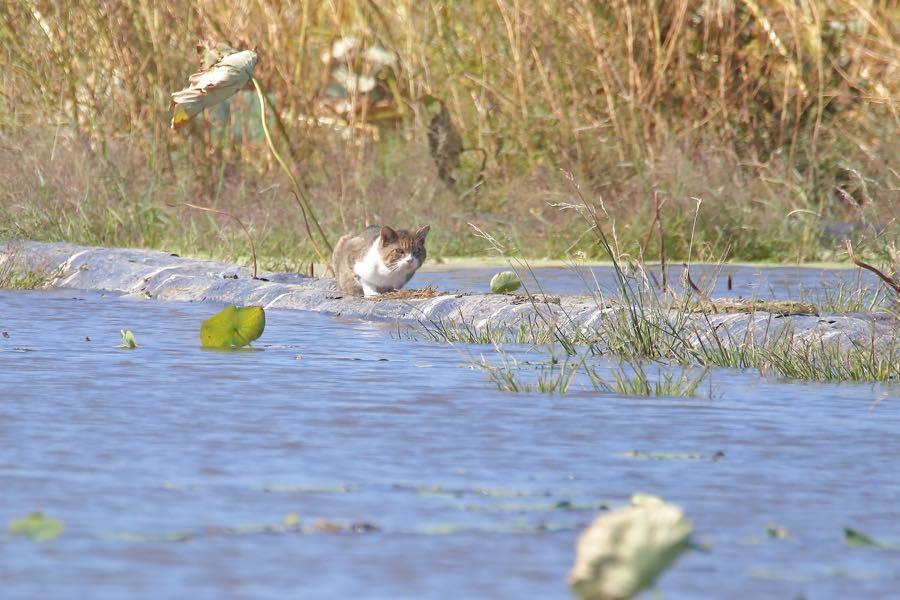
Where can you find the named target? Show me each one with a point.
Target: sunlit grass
(556, 375)
(786, 142)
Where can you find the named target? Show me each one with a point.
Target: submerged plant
(636, 383)
(554, 377)
(233, 327)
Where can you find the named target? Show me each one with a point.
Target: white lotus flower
(216, 84)
(623, 552)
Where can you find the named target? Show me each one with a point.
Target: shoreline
(162, 276)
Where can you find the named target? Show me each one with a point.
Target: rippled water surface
(755, 282)
(173, 467)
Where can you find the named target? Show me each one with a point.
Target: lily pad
(777, 532)
(858, 539)
(37, 527)
(505, 282)
(623, 552)
(233, 327)
(128, 340)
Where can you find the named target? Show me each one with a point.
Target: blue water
(167, 462)
(811, 284)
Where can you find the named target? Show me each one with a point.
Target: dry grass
(775, 307)
(781, 117)
(409, 294)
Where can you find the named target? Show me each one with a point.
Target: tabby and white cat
(378, 259)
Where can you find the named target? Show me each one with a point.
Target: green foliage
(624, 551)
(779, 150)
(505, 282)
(636, 382)
(128, 340)
(37, 527)
(857, 539)
(233, 327)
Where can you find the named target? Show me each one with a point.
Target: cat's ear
(387, 235)
(421, 232)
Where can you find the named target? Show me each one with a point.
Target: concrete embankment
(163, 276)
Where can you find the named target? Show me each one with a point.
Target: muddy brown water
(166, 462)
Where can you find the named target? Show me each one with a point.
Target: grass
(779, 117)
(637, 383)
(553, 377)
(828, 362)
(556, 376)
(715, 130)
(644, 322)
(14, 277)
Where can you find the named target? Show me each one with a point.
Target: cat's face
(403, 250)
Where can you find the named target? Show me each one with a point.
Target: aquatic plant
(556, 375)
(128, 340)
(505, 282)
(233, 327)
(636, 382)
(37, 526)
(857, 539)
(624, 551)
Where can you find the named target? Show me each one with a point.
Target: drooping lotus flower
(213, 85)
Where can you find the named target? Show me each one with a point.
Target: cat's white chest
(374, 275)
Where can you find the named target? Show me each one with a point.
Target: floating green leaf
(779, 533)
(623, 552)
(233, 327)
(858, 539)
(505, 282)
(37, 527)
(128, 340)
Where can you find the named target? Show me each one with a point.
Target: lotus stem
(239, 222)
(302, 201)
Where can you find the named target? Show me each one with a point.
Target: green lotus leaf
(37, 527)
(624, 551)
(233, 327)
(857, 539)
(505, 282)
(128, 340)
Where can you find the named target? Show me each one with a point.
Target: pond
(747, 281)
(174, 468)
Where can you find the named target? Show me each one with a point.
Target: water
(753, 282)
(164, 462)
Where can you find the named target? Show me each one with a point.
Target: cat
(378, 259)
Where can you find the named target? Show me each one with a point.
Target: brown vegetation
(779, 119)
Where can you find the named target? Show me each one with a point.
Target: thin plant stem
(302, 201)
(239, 222)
